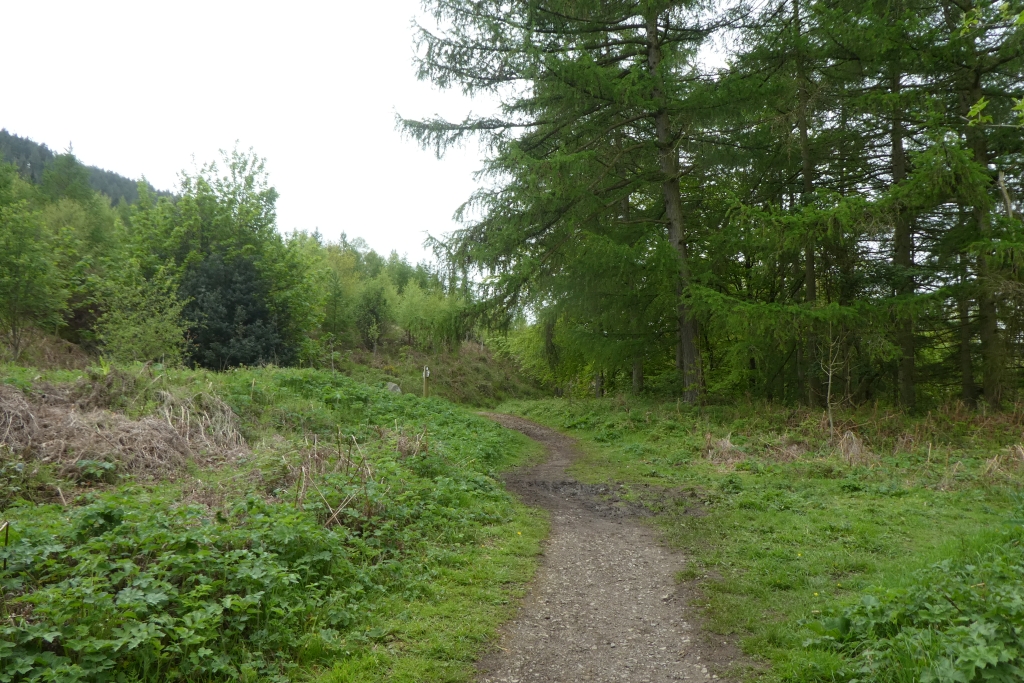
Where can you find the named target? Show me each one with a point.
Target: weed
(957, 620)
(358, 523)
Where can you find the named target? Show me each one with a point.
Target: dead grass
(787, 450)
(1004, 465)
(905, 443)
(853, 450)
(205, 422)
(407, 445)
(64, 426)
(348, 460)
(45, 351)
(722, 451)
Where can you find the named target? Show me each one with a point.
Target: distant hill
(32, 158)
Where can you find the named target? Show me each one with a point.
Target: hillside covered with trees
(33, 159)
(207, 279)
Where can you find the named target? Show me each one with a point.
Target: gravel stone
(604, 605)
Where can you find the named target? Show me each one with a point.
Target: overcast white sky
(141, 88)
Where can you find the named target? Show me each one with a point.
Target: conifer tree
(589, 72)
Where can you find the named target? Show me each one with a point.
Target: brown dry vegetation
(65, 426)
(787, 450)
(853, 451)
(722, 450)
(44, 350)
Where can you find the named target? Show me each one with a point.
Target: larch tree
(574, 76)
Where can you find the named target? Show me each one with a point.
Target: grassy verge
(438, 638)
(353, 534)
(885, 554)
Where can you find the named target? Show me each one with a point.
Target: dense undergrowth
(354, 535)
(474, 375)
(470, 373)
(889, 551)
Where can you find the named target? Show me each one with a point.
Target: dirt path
(604, 605)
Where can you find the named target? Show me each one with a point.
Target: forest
(32, 160)
(203, 277)
(832, 214)
(719, 377)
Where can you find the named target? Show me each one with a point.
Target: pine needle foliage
(849, 176)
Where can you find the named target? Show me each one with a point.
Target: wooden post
(426, 382)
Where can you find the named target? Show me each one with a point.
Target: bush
(143, 321)
(171, 594)
(229, 311)
(31, 291)
(374, 312)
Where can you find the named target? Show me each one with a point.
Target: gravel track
(604, 605)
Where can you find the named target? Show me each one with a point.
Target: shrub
(143, 321)
(957, 622)
(373, 312)
(229, 310)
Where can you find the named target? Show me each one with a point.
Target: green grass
(233, 573)
(782, 544)
(439, 639)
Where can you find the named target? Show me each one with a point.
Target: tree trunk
(800, 374)
(988, 330)
(903, 260)
(807, 174)
(811, 295)
(968, 392)
(638, 362)
(550, 349)
(599, 384)
(688, 359)
(988, 324)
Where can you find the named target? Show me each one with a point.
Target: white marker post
(426, 382)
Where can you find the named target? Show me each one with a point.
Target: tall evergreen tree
(588, 72)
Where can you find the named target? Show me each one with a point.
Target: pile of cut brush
(73, 425)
